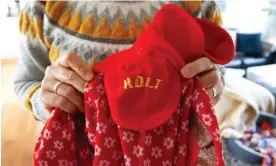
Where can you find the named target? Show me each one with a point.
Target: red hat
(143, 83)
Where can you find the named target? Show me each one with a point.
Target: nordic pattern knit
(92, 29)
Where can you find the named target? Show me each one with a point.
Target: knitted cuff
(222, 71)
(39, 110)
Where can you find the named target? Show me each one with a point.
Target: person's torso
(95, 29)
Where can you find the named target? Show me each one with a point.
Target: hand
(209, 75)
(72, 72)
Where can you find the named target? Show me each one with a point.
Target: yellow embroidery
(57, 10)
(192, 6)
(157, 83)
(54, 54)
(65, 17)
(217, 18)
(139, 83)
(48, 43)
(75, 22)
(25, 25)
(87, 26)
(148, 83)
(38, 29)
(119, 31)
(49, 5)
(146, 22)
(32, 27)
(102, 30)
(127, 83)
(133, 29)
(20, 21)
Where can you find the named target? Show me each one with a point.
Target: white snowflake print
(117, 155)
(36, 154)
(84, 153)
(56, 125)
(175, 160)
(184, 90)
(100, 76)
(217, 135)
(156, 152)
(89, 102)
(102, 104)
(87, 123)
(96, 102)
(91, 137)
(178, 109)
(184, 125)
(195, 95)
(87, 87)
(73, 125)
(101, 128)
(199, 106)
(100, 89)
(41, 146)
(51, 154)
(188, 101)
(170, 121)
(168, 143)
(127, 160)
(73, 163)
(148, 140)
(166, 163)
(158, 130)
(109, 142)
(63, 162)
(146, 162)
(66, 135)
(42, 163)
(183, 150)
(175, 131)
(207, 119)
(104, 163)
(38, 140)
(47, 134)
(97, 150)
(58, 145)
(73, 146)
(138, 151)
(128, 136)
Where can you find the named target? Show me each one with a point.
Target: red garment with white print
(64, 143)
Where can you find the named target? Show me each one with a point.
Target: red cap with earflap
(143, 83)
(219, 46)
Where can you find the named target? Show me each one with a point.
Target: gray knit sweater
(92, 29)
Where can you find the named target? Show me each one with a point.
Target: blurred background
(251, 23)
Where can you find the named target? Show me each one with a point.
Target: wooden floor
(19, 129)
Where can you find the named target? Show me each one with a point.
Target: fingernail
(89, 75)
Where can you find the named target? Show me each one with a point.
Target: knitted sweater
(92, 29)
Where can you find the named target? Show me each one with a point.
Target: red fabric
(143, 120)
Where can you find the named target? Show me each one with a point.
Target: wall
(245, 15)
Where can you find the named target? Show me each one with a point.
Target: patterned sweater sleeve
(33, 59)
